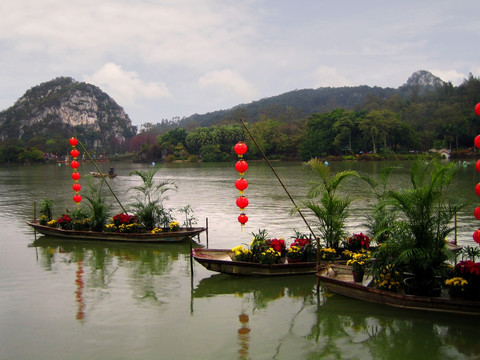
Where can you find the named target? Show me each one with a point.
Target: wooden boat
(339, 280)
(97, 174)
(221, 260)
(166, 236)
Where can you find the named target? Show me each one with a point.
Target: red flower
(276, 244)
(300, 242)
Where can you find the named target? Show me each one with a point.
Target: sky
(160, 59)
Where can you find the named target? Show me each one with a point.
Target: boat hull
(170, 236)
(340, 281)
(220, 260)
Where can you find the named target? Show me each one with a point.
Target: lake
(63, 299)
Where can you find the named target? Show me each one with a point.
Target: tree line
(401, 123)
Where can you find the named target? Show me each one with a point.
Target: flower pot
(358, 276)
(293, 261)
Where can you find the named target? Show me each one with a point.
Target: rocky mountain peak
(424, 78)
(62, 107)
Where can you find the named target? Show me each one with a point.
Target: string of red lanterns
(74, 153)
(241, 184)
(476, 213)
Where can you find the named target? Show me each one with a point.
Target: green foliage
(330, 209)
(423, 220)
(46, 208)
(99, 209)
(149, 206)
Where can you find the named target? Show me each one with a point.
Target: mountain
(303, 103)
(64, 107)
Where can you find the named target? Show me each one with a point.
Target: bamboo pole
(280, 180)
(102, 177)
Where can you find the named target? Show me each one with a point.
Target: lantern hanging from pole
(74, 153)
(241, 166)
(242, 202)
(242, 218)
(476, 236)
(240, 149)
(241, 184)
(477, 109)
(476, 213)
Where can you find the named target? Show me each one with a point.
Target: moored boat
(164, 236)
(99, 175)
(222, 260)
(339, 280)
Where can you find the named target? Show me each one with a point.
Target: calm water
(83, 300)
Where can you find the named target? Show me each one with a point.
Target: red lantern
(477, 166)
(74, 164)
(476, 212)
(76, 176)
(74, 153)
(242, 202)
(477, 109)
(241, 166)
(76, 187)
(77, 198)
(241, 184)
(73, 141)
(242, 219)
(477, 189)
(240, 148)
(476, 236)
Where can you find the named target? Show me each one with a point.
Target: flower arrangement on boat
(357, 242)
(359, 262)
(327, 254)
(466, 280)
(146, 216)
(389, 278)
(261, 250)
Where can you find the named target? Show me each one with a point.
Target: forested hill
(302, 103)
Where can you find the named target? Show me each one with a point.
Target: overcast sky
(164, 58)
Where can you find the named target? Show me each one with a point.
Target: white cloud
(228, 83)
(126, 86)
(325, 76)
(451, 75)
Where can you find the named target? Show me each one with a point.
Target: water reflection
(97, 263)
(382, 332)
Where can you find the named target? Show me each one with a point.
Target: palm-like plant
(426, 217)
(330, 209)
(99, 210)
(149, 209)
(46, 208)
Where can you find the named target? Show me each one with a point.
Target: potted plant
(424, 214)
(330, 209)
(359, 262)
